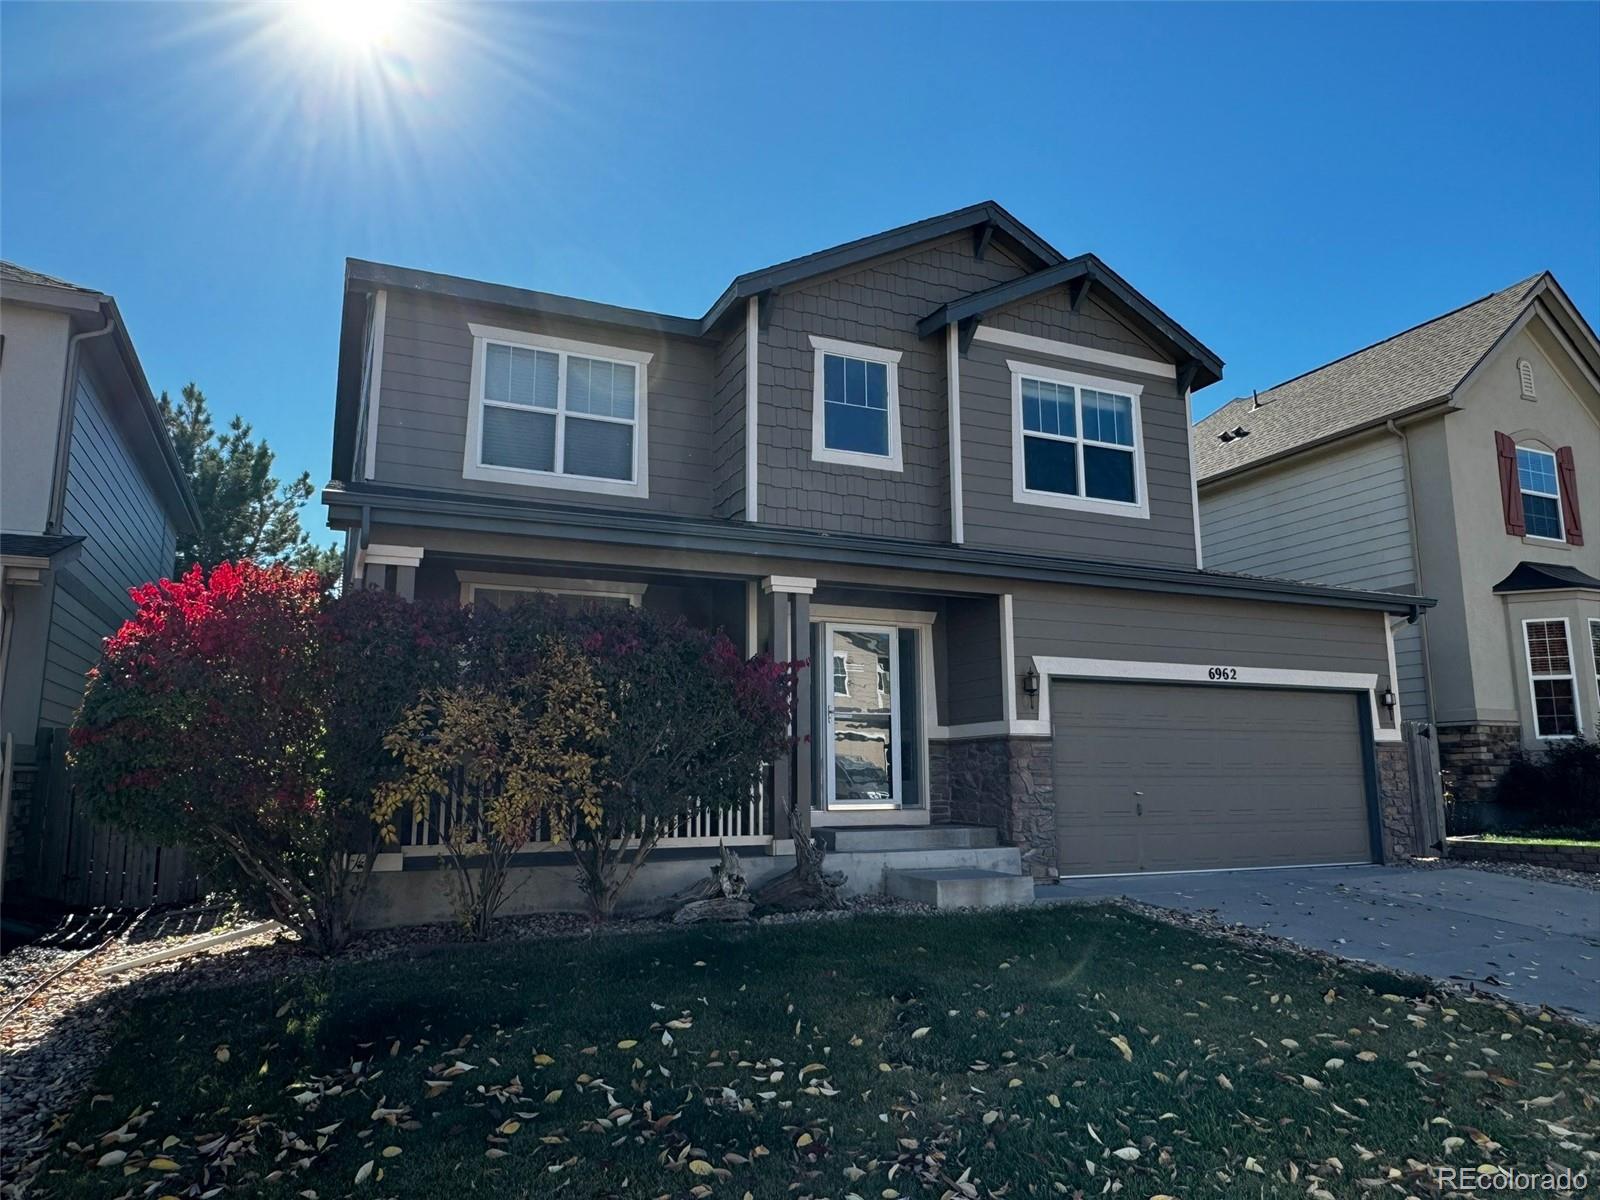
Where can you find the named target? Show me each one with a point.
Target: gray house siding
(993, 518)
(425, 393)
(728, 426)
(1094, 325)
(1095, 623)
(1340, 518)
(973, 640)
(877, 305)
(128, 539)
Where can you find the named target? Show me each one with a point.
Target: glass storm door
(862, 689)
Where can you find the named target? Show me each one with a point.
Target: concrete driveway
(1534, 942)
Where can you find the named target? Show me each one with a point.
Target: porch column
(790, 600)
(389, 569)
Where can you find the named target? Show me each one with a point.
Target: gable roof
(1084, 269)
(11, 272)
(987, 219)
(1411, 370)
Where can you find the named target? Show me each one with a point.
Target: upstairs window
(1550, 679)
(1541, 492)
(556, 413)
(855, 418)
(1076, 442)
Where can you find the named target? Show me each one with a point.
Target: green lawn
(1012, 1054)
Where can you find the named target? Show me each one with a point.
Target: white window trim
(1594, 655)
(1561, 510)
(553, 585)
(473, 466)
(839, 660)
(1571, 677)
(894, 460)
(1022, 494)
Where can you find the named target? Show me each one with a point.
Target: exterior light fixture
(1030, 683)
(1388, 699)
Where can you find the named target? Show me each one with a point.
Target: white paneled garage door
(1174, 777)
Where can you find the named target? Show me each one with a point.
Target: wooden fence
(77, 861)
(1427, 787)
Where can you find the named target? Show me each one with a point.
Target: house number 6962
(1223, 674)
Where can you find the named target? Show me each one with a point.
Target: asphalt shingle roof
(1424, 363)
(11, 272)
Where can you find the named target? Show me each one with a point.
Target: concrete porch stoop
(947, 866)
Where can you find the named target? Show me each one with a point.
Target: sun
(356, 25)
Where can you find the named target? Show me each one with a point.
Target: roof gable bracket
(968, 329)
(1078, 290)
(981, 237)
(764, 308)
(1186, 374)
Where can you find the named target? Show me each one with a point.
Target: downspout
(1416, 558)
(69, 409)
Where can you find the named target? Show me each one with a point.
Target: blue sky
(1289, 181)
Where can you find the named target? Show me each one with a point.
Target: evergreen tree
(245, 510)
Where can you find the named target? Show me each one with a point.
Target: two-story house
(92, 499)
(1456, 459)
(947, 465)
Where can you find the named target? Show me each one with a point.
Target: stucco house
(92, 499)
(1456, 459)
(948, 465)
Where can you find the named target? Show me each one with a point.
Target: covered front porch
(903, 684)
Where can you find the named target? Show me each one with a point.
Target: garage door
(1168, 777)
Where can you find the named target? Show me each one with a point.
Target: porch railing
(747, 825)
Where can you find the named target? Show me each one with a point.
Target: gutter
(367, 505)
(69, 412)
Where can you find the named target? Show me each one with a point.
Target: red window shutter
(1510, 489)
(1567, 474)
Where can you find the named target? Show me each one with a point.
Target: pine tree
(245, 510)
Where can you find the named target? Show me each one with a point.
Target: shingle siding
(728, 426)
(128, 540)
(993, 518)
(427, 377)
(1050, 316)
(877, 305)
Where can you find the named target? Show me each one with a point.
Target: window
(1550, 679)
(556, 413)
(1541, 494)
(499, 590)
(855, 405)
(1076, 442)
(1594, 645)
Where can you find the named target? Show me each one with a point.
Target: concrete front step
(960, 887)
(865, 871)
(853, 839)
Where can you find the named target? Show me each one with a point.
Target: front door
(861, 766)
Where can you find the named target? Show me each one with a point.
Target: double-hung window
(1551, 679)
(551, 412)
(1076, 442)
(1541, 493)
(855, 405)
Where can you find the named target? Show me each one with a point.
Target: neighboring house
(91, 502)
(946, 464)
(1457, 459)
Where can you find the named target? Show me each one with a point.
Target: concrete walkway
(1534, 942)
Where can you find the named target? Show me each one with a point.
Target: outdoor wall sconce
(1030, 684)
(1388, 699)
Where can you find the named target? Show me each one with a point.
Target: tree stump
(716, 908)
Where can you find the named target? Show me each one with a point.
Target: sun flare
(357, 25)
